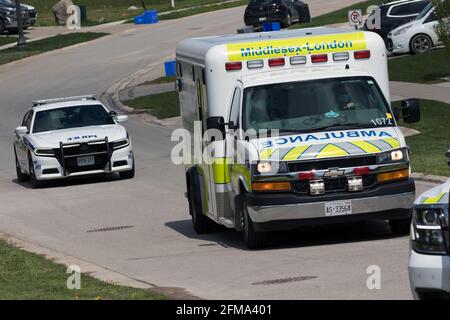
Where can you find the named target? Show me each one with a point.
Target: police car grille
(332, 163)
(98, 150)
(84, 149)
(334, 185)
(100, 164)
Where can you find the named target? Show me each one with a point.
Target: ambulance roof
(197, 48)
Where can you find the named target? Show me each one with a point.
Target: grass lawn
(422, 68)
(428, 148)
(25, 275)
(102, 11)
(162, 106)
(337, 16)
(6, 40)
(44, 45)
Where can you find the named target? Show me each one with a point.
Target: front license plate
(262, 19)
(338, 208)
(85, 161)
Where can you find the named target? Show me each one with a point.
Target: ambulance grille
(334, 185)
(332, 163)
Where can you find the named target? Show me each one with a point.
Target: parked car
(397, 13)
(8, 16)
(418, 36)
(284, 11)
(429, 258)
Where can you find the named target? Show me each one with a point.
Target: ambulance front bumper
(276, 212)
(429, 275)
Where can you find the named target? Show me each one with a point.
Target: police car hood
(329, 144)
(51, 139)
(436, 195)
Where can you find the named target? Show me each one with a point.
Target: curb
(429, 178)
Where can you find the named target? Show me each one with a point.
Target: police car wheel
(400, 227)
(253, 239)
(34, 182)
(202, 224)
(21, 177)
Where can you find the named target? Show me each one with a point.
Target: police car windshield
(71, 117)
(307, 106)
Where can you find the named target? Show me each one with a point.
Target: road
(159, 246)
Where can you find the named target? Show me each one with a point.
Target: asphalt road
(159, 246)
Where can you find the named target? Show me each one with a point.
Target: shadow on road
(304, 237)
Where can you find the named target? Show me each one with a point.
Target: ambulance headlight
(392, 156)
(273, 167)
(427, 235)
(401, 31)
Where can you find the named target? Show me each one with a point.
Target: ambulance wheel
(202, 224)
(400, 227)
(253, 239)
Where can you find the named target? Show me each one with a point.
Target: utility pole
(21, 42)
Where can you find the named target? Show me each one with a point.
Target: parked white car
(418, 36)
(429, 259)
(73, 136)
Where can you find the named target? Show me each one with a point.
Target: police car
(429, 259)
(73, 136)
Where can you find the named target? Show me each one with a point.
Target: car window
(407, 9)
(424, 11)
(432, 17)
(71, 117)
(234, 112)
(26, 122)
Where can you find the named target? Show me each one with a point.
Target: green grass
(44, 45)
(25, 275)
(6, 40)
(162, 106)
(338, 16)
(102, 11)
(428, 147)
(422, 68)
(186, 13)
(159, 81)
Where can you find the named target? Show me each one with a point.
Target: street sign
(355, 17)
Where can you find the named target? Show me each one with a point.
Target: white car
(74, 136)
(429, 259)
(417, 36)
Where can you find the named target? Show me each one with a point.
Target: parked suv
(8, 16)
(284, 11)
(394, 14)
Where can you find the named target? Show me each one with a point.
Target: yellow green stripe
(295, 153)
(221, 170)
(394, 143)
(331, 151)
(265, 154)
(432, 200)
(367, 147)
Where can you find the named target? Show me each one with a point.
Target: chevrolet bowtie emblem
(334, 173)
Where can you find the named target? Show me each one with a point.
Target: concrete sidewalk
(439, 92)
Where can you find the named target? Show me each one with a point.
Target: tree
(443, 16)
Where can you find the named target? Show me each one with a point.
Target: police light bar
(231, 66)
(276, 62)
(364, 54)
(318, 58)
(254, 64)
(298, 60)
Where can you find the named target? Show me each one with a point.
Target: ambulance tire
(202, 224)
(253, 239)
(400, 227)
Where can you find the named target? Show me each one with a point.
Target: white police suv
(73, 136)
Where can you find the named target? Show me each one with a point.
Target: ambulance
(429, 258)
(295, 129)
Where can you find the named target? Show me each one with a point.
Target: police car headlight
(121, 144)
(392, 156)
(427, 236)
(40, 152)
(400, 31)
(266, 167)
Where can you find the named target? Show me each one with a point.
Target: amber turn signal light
(271, 186)
(393, 176)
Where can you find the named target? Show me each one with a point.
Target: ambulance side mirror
(447, 154)
(410, 110)
(217, 123)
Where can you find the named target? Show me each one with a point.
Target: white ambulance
(306, 136)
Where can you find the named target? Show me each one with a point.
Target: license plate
(263, 19)
(85, 161)
(338, 208)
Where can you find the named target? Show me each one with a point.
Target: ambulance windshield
(325, 104)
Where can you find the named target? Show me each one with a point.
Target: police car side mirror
(410, 110)
(447, 154)
(122, 118)
(20, 131)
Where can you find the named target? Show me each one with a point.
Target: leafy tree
(443, 15)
